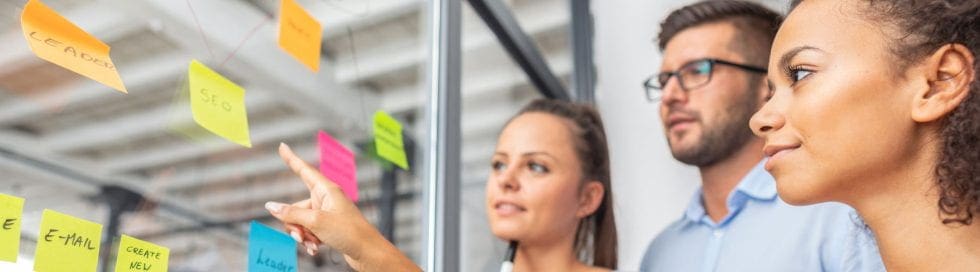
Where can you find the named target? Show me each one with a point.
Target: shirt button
(718, 233)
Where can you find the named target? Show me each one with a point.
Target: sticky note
(300, 34)
(59, 41)
(11, 210)
(388, 139)
(337, 164)
(270, 250)
(138, 255)
(218, 104)
(66, 244)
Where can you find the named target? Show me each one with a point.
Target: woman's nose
(767, 120)
(507, 180)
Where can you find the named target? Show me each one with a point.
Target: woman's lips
(777, 152)
(508, 208)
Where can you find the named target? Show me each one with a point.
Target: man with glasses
(711, 81)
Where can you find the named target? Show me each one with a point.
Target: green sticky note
(218, 104)
(138, 255)
(388, 139)
(11, 209)
(67, 244)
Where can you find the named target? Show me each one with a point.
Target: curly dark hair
(923, 26)
(599, 228)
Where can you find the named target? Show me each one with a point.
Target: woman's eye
(537, 168)
(498, 166)
(797, 74)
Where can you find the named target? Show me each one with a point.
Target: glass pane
(65, 139)
(494, 88)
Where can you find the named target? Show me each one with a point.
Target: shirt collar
(757, 184)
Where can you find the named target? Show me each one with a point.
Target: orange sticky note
(59, 41)
(218, 104)
(300, 34)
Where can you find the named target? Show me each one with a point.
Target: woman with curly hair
(874, 104)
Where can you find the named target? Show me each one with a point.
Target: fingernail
(274, 207)
(295, 235)
(283, 145)
(310, 251)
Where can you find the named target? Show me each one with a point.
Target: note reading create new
(270, 250)
(11, 210)
(300, 34)
(388, 139)
(337, 164)
(137, 255)
(218, 104)
(59, 41)
(67, 244)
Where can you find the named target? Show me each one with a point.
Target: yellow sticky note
(218, 104)
(11, 210)
(388, 139)
(300, 34)
(59, 41)
(67, 244)
(138, 255)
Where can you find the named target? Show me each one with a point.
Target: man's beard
(721, 141)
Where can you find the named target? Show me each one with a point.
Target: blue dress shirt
(763, 233)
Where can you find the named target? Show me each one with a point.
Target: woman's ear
(590, 199)
(949, 72)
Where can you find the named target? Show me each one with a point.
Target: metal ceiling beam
(581, 33)
(162, 155)
(93, 18)
(88, 93)
(335, 18)
(478, 85)
(371, 66)
(234, 223)
(257, 164)
(377, 12)
(519, 45)
(145, 123)
(259, 59)
(88, 180)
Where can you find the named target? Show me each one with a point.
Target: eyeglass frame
(649, 87)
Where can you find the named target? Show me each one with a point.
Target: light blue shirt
(763, 233)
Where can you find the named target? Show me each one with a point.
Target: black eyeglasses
(691, 75)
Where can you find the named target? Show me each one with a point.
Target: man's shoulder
(670, 236)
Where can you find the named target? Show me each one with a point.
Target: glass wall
(144, 163)
(494, 88)
(73, 145)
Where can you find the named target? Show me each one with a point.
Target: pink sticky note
(337, 164)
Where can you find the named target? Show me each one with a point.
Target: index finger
(301, 168)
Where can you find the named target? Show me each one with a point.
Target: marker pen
(508, 265)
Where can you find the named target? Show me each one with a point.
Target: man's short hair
(756, 25)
